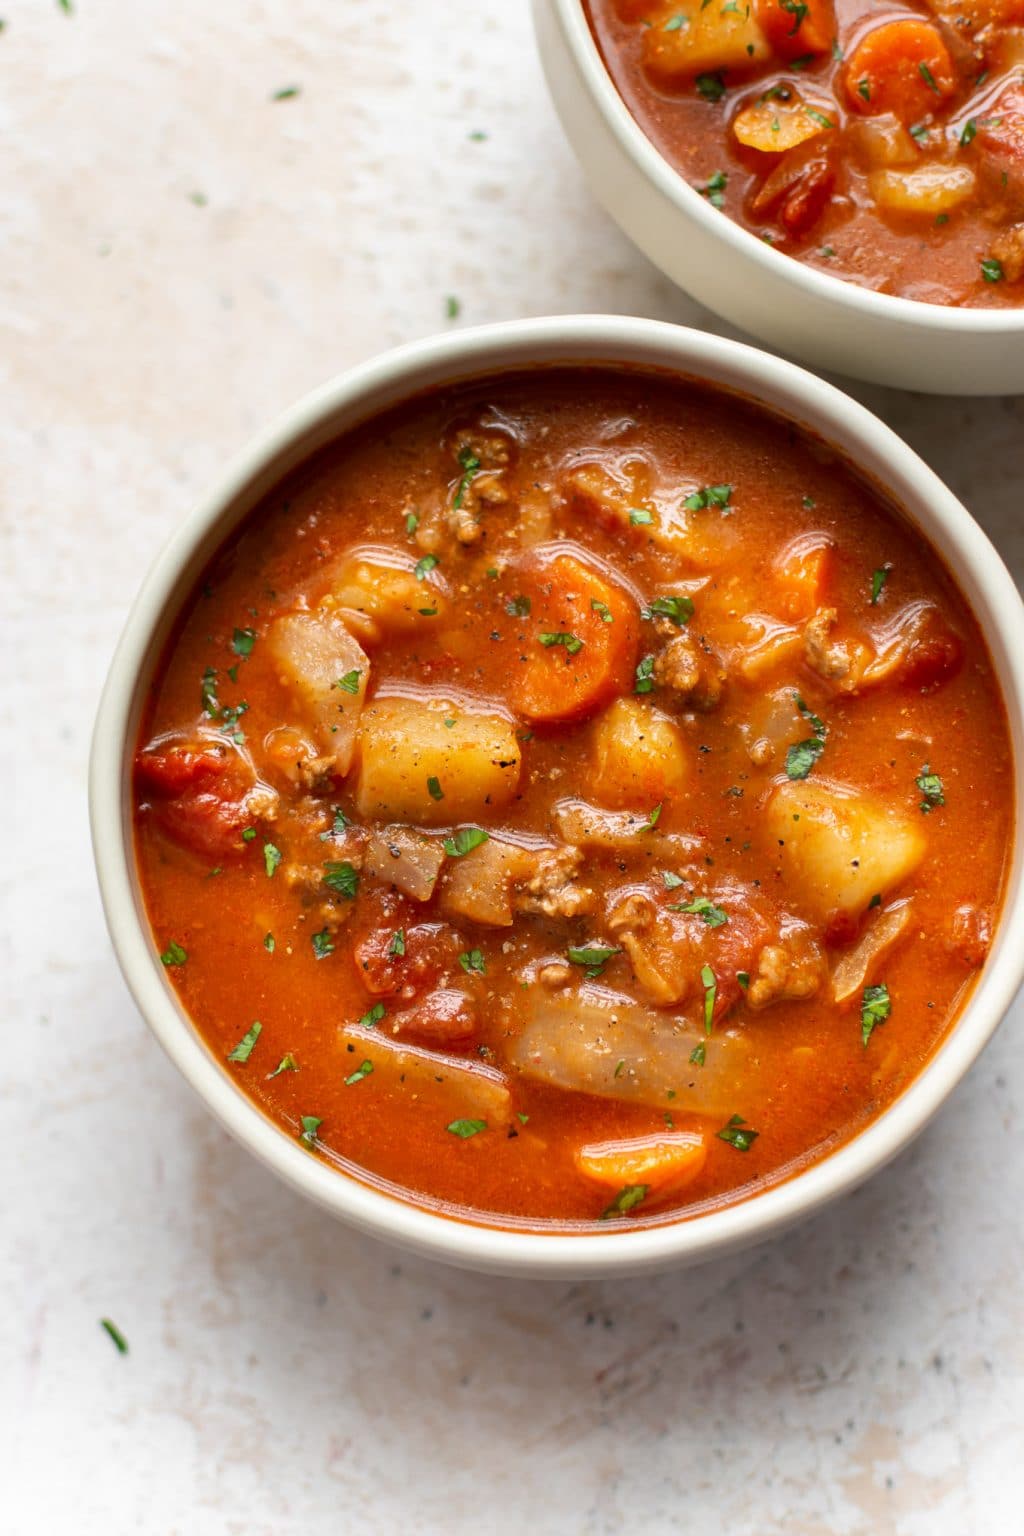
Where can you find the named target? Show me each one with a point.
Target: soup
(883, 144)
(573, 796)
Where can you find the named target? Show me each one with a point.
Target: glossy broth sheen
(883, 144)
(654, 766)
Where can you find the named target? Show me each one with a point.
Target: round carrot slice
(901, 67)
(662, 1161)
(578, 642)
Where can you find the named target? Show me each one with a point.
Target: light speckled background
(863, 1376)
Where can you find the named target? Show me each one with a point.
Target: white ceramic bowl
(317, 420)
(820, 319)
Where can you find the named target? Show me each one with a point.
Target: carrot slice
(903, 67)
(658, 1162)
(795, 28)
(579, 643)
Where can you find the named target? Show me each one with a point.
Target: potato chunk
(392, 596)
(837, 847)
(415, 766)
(639, 757)
(705, 38)
(923, 191)
(326, 670)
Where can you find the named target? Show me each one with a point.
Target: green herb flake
(743, 977)
(451, 307)
(286, 93)
(874, 1010)
(678, 609)
(343, 877)
(819, 117)
(594, 957)
(719, 496)
(114, 1332)
(472, 962)
(363, 1070)
(286, 1064)
(931, 787)
(518, 606)
(271, 859)
(992, 270)
(639, 517)
(802, 756)
(425, 564)
(671, 881)
(927, 77)
(714, 189)
(464, 841)
(310, 1125)
(269, 943)
(644, 682)
(698, 1055)
(412, 522)
(710, 86)
(602, 610)
(243, 1050)
(674, 23)
(627, 1198)
(464, 1129)
(572, 643)
(372, 1017)
(714, 916)
(208, 693)
(968, 131)
(434, 789)
(470, 467)
(242, 641)
(349, 683)
(323, 944)
(521, 1117)
(173, 954)
(249, 835)
(397, 945)
(736, 1134)
(878, 581)
(653, 817)
(710, 985)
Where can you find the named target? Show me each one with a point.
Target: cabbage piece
(852, 970)
(461, 1087)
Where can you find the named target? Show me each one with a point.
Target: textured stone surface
(182, 256)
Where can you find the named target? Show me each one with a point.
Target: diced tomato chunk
(198, 795)
(799, 188)
(932, 659)
(999, 147)
(393, 960)
(178, 769)
(445, 1019)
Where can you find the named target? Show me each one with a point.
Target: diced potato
(479, 885)
(406, 859)
(703, 39)
(882, 141)
(415, 767)
(662, 1162)
(402, 1072)
(838, 847)
(392, 596)
(924, 191)
(775, 125)
(639, 757)
(802, 571)
(327, 671)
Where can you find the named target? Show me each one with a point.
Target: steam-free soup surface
(572, 796)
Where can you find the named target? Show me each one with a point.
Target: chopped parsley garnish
(397, 945)
(819, 117)
(602, 610)
(119, 1340)
(464, 841)
(710, 985)
(286, 92)
(323, 944)
(927, 77)
(919, 131)
(678, 609)
(470, 466)
(243, 1050)
(702, 907)
(269, 943)
(363, 1070)
(337, 826)
(737, 1135)
(629, 1196)
(798, 10)
(878, 581)
(472, 960)
(675, 22)
(286, 1064)
(423, 565)
(173, 954)
(672, 881)
(992, 270)
(653, 817)
(710, 496)
(644, 678)
(711, 86)
(310, 1125)
(930, 785)
(271, 858)
(372, 1017)
(698, 1055)
(242, 641)
(350, 682)
(864, 89)
(464, 1129)
(571, 642)
(968, 131)
(342, 877)
(412, 522)
(593, 956)
(802, 756)
(521, 1117)
(714, 189)
(208, 693)
(874, 1010)
(640, 517)
(452, 307)
(434, 789)
(249, 835)
(518, 606)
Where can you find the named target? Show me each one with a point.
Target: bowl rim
(358, 395)
(887, 308)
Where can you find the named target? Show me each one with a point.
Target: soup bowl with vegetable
(842, 179)
(555, 801)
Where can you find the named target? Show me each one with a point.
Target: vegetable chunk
(838, 847)
(705, 39)
(639, 757)
(775, 125)
(662, 1162)
(326, 670)
(796, 28)
(393, 597)
(902, 67)
(414, 766)
(579, 646)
